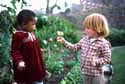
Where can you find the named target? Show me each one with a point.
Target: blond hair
(98, 23)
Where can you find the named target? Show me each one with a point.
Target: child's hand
(60, 39)
(21, 66)
(14, 83)
(48, 74)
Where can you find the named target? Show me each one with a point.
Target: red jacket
(25, 48)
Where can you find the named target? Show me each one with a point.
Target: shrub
(74, 76)
(6, 24)
(117, 37)
(41, 21)
(54, 63)
(47, 34)
(49, 31)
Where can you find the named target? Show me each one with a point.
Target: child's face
(30, 26)
(90, 32)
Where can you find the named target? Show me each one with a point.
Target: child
(26, 54)
(95, 49)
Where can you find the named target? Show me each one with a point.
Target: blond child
(95, 49)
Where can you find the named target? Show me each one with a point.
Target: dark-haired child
(29, 67)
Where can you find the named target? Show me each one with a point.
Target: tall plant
(6, 26)
(5, 63)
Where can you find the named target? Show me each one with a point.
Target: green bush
(117, 37)
(70, 63)
(54, 63)
(48, 32)
(41, 21)
(6, 24)
(74, 76)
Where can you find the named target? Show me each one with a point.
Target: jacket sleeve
(15, 49)
(105, 54)
(73, 47)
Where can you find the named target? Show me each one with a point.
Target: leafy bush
(47, 33)
(117, 37)
(6, 24)
(70, 63)
(74, 76)
(42, 20)
(54, 63)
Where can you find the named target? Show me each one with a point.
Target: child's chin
(34, 29)
(90, 36)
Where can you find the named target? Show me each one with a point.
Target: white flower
(62, 50)
(59, 33)
(55, 45)
(45, 42)
(50, 39)
(14, 31)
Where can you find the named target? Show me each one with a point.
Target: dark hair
(25, 16)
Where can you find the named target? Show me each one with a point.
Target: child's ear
(23, 26)
(23, 23)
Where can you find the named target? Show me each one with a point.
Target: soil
(54, 79)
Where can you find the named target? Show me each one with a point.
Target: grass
(118, 59)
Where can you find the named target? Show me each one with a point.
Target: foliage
(6, 24)
(117, 37)
(118, 56)
(6, 76)
(6, 28)
(48, 32)
(54, 63)
(42, 21)
(70, 64)
(74, 76)
(12, 9)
